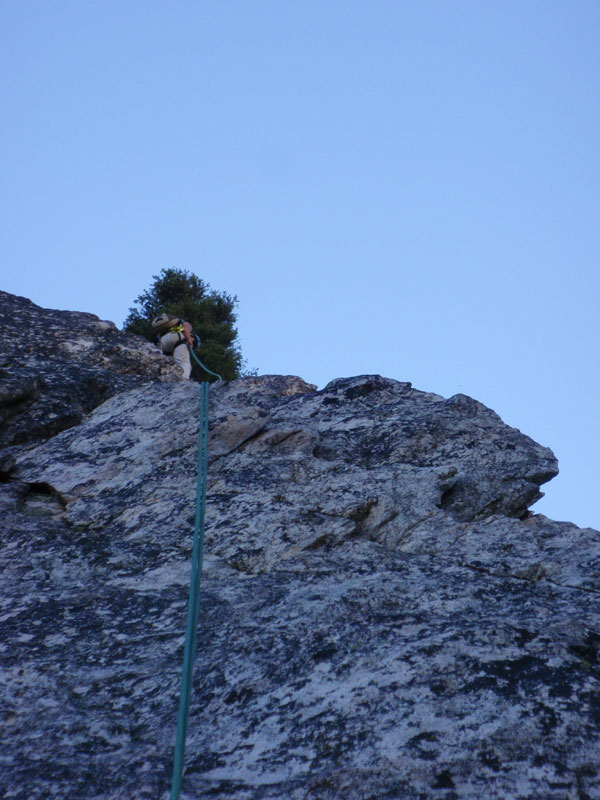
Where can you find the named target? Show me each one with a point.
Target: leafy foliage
(211, 315)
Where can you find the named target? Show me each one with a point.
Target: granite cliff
(382, 616)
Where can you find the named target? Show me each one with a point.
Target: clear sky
(403, 187)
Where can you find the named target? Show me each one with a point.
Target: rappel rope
(194, 598)
(204, 367)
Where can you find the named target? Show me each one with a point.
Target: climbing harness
(194, 598)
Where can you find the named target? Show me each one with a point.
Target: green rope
(195, 578)
(194, 598)
(204, 367)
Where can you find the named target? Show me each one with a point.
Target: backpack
(164, 322)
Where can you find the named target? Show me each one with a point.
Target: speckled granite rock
(56, 366)
(381, 616)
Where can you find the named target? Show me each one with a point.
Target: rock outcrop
(56, 366)
(382, 614)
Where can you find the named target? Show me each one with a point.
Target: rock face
(382, 617)
(56, 366)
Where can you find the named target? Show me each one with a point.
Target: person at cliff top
(175, 337)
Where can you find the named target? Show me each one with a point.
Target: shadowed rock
(56, 366)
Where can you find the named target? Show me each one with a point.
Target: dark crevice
(19, 398)
(447, 497)
(46, 490)
(8, 465)
(590, 649)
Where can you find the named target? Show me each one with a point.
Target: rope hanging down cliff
(194, 598)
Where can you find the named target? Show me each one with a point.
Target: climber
(175, 338)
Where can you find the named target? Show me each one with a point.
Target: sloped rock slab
(377, 620)
(364, 457)
(535, 549)
(362, 673)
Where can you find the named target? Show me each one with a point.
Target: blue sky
(396, 187)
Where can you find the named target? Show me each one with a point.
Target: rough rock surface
(56, 366)
(381, 618)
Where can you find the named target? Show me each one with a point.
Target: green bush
(211, 314)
